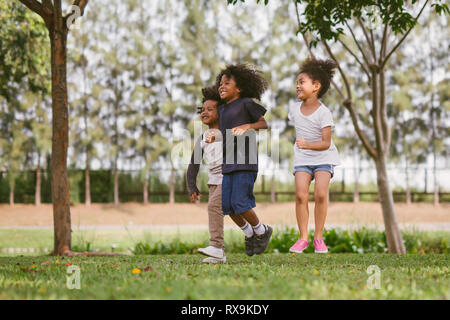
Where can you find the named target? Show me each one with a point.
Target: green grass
(267, 276)
(181, 241)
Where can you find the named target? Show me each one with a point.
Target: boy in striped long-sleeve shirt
(209, 148)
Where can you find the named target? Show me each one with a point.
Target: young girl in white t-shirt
(315, 154)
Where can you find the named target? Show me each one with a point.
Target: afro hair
(319, 70)
(248, 79)
(209, 93)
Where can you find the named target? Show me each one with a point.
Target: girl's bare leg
(302, 182)
(321, 186)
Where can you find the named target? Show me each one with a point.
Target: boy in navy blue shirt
(239, 117)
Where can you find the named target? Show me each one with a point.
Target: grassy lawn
(268, 276)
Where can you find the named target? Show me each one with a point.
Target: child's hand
(240, 130)
(210, 137)
(301, 143)
(195, 196)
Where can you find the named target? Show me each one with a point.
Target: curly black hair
(248, 79)
(209, 93)
(319, 70)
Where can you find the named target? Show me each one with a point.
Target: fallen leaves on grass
(148, 268)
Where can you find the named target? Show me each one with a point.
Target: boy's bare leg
(302, 182)
(249, 216)
(321, 201)
(238, 219)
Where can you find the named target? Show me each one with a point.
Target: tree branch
(338, 90)
(344, 78)
(303, 35)
(370, 150)
(403, 38)
(384, 41)
(35, 6)
(357, 59)
(47, 6)
(349, 106)
(363, 27)
(372, 41)
(81, 4)
(383, 113)
(379, 141)
(358, 44)
(57, 15)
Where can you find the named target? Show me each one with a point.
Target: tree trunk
(11, 195)
(145, 190)
(356, 189)
(116, 187)
(87, 187)
(273, 197)
(408, 189)
(172, 187)
(37, 195)
(436, 185)
(436, 195)
(60, 140)
(356, 172)
(393, 235)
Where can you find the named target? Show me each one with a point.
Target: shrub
(360, 241)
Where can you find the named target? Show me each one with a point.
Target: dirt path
(196, 214)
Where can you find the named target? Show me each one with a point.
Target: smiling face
(307, 87)
(210, 115)
(228, 90)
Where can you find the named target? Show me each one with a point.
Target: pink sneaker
(319, 246)
(299, 246)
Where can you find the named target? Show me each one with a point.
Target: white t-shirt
(212, 155)
(310, 129)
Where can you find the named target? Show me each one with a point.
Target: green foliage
(24, 51)
(359, 241)
(327, 18)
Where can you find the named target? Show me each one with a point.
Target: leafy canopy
(326, 18)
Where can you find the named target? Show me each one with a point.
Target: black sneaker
(261, 242)
(249, 245)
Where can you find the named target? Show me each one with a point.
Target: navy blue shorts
(237, 192)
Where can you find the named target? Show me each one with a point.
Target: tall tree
(86, 131)
(58, 25)
(115, 80)
(143, 121)
(24, 56)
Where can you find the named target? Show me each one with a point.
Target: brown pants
(215, 216)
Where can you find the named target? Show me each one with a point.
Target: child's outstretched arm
(240, 130)
(192, 172)
(316, 145)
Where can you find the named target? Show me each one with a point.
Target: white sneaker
(212, 252)
(215, 260)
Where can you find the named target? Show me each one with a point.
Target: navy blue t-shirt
(240, 153)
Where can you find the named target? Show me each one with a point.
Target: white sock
(259, 228)
(248, 230)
